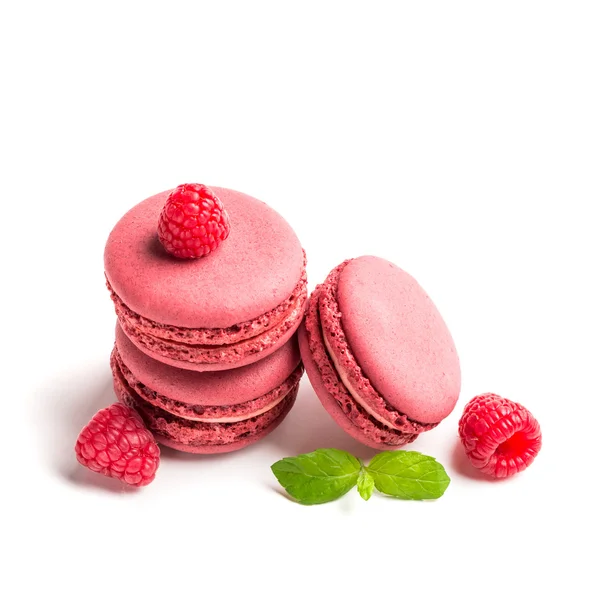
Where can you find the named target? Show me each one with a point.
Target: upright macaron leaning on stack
(209, 288)
(379, 354)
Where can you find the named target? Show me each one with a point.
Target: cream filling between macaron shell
(237, 419)
(350, 387)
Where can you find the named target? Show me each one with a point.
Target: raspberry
(501, 438)
(116, 443)
(193, 221)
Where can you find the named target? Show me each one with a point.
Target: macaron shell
(238, 445)
(214, 336)
(188, 436)
(254, 270)
(217, 388)
(399, 339)
(329, 402)
(229, 357)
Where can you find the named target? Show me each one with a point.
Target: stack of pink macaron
(209, 287)
(206, 348)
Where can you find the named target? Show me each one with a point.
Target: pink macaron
(378, 353)
(207, 412)
(231, 308)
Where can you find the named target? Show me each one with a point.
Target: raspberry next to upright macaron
(501, 437)
(117, 444)
(235, 305)
(378, 353)
(210, 412)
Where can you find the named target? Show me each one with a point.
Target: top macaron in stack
(199, 286)
(227, 309)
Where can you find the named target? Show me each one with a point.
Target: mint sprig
(327, 474)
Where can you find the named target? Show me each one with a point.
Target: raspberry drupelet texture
(116, 443)
(193, 221)
(501, 438)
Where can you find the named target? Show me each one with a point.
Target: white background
(461, 140)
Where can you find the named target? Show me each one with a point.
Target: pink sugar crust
(337, 347)
(203, 438)
(399, 339)
(252, 272)
(209, 389)
(347, 412)
(218, 358)
(341, 406)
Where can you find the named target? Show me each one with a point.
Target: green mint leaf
(365, 484)
(408, 475)
(317, 477)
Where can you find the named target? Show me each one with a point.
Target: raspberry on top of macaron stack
(378, 353)
(209, 287)
(240, 300)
